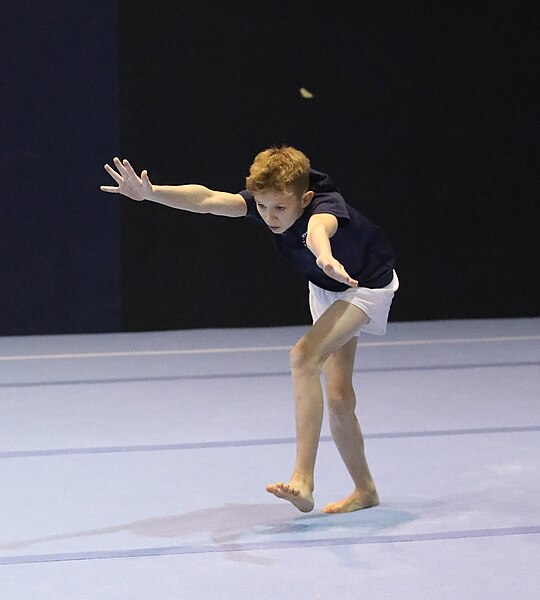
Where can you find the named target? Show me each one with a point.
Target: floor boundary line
(149, 379)
(250, 349)
(254, 442)
(254, 546)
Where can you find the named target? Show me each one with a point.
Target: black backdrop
(59, 243)
(425, 113)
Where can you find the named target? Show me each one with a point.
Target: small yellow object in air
(305, 93)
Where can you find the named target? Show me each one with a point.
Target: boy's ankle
(306, 480)
(368, 489)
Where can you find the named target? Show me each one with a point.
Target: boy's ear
(307, 198)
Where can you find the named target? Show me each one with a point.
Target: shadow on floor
(245, 523)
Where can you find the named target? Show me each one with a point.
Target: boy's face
(281, 209)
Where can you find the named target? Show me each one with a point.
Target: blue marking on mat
(261, 442)
(247, 547)
(115, 380)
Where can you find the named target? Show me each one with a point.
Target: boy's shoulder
(327, 197)
(321, 182)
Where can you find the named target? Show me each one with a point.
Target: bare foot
(297, 493)
(356, 501)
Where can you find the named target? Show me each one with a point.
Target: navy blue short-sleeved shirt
(359, 245)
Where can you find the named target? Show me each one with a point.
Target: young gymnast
(349, 264)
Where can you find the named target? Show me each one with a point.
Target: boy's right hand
(129, 183)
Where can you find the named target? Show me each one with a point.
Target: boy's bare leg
(338, 372)
(334, 329)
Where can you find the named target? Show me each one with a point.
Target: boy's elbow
(209, 203)
(309, 240)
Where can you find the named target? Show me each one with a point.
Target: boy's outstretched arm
(321, 227)
(193, 198)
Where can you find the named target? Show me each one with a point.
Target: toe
(273, 488)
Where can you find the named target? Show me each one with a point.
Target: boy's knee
(303, 356)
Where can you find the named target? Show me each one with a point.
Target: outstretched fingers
(120, 166)
(129, 169)
(113, 174)
(337, 271)
(129, 183)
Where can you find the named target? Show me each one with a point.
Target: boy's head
(279, 181)
(279, 169)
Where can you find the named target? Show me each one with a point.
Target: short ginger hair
(279, 169)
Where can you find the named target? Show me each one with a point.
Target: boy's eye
(280, 208)
(260, 206)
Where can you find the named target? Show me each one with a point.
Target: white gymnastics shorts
(374, 302)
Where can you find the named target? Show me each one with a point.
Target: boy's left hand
(336, 270)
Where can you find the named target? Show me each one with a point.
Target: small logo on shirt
(304, 236)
